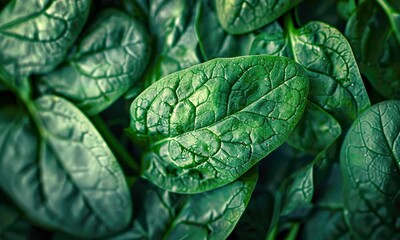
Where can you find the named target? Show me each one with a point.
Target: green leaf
(316, 131)
(168, 21)
(209, 215)
(324, 11)
(111, 57)
(300, 192)
(335, 82)
(205, 126)
(35, 35)
(65, 178)
(326, 225)
(257, 217)
(239, 16)
(215, 42)
(346, 8)
(375, 37)
(369, 161)
(177, 56)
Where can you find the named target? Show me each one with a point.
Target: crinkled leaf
(65, 178)
(111, 56)
(239, 16)
(375, 37)
(370, 163)
(335, 82)
(206, 125)
(316, 131)
(208, 215)
(35, 35)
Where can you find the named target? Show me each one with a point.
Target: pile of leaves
(199, 119)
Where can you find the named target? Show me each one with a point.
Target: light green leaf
(66, 178)
(205, 126)
(111, 57)
(335, 82)
(370, 163)
(35, 35)
(239, 16)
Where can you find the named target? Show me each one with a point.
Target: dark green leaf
(316, 131)
(240, 16)
(215, 42)
(209, 215)
(300, 192)
(254, 223)
(335, 82)
(375, 37)
(111, 56)
(169, 20)
(207, 125)
(65, 178)
(35, 35)
(326, 225)
(180, 55)
(370, 166)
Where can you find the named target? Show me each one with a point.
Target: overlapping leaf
(370, 166)
(205, 126)
(65, 178)
(112, 55)
(35, 35)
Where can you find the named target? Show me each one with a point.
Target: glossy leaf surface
(239, 16)
(335, 82)
(206, 125)
(65, 178)
(110, 57)
(35, 35)
(370, 166)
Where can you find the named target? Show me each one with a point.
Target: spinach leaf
(335, 82)
(111, 56)
(239, 16)
(300, 191)
(206, 125)
(168, 21)
(369, 161)
(208, 215)
(316, 131)
(35, 35)
(374, 34)
(177, 54)
(65, 178)
(326, 225)
(214, 41)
